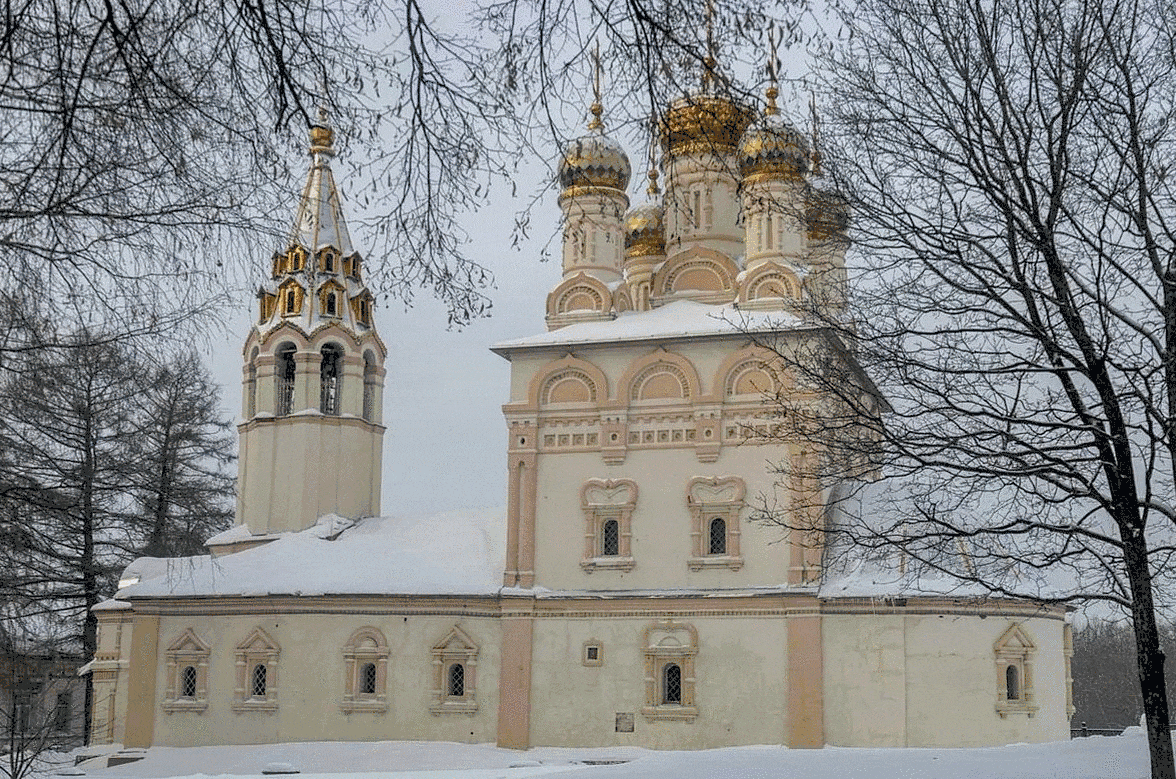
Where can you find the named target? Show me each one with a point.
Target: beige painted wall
(930, 680)
(295, 469)
(740, 690)
(310, 681)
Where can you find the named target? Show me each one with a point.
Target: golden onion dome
(645, 231)
(704, 123)
(594, 160)
(774, 148)
(826, 214)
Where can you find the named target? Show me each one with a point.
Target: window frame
(188, 650)
(711, 498)
(667, 643)
(604, 501)
(256, 649)
(1013, 653)
(366, 646)
(456, 648)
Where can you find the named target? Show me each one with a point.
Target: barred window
(610, 541)
(367, 679)
(330, 375)
(188, 682)
(457, 681)
(671, 684)
(718, 536)
(284, 380)
(1012, 684)
(258, 686)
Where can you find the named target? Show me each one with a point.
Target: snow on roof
(458, 553)
(680, 319)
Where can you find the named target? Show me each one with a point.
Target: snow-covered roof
(458, 553)
(680, 319)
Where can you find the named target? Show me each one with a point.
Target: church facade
(623, 597)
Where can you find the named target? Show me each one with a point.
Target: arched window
(329, 262)
(610, 541)
(257, 681)
(718, 536)
(251, 389)
(284, 380)
(331, 307)
(291, 302)
(370, 387)
(671, 684)
(330, 379)
(457, 681)
(1012, 684)
(367, 679)
(188, 682)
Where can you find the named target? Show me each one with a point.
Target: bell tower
(312, 439)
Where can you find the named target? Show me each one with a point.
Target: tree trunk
(1149, 655)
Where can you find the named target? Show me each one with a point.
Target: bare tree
(1008, 169)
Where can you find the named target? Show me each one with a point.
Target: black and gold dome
(773, 148)
(704, 123)
(645, 231)
(594, 160)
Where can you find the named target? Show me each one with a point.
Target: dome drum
(826, 214)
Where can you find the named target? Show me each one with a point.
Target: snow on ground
(1122, 757)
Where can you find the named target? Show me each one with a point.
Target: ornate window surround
(721, 497)
(668, 642)
(1014, 649)
(257, 648)
(456, 647)
(186, 651)
(366, 646)
(603, 500)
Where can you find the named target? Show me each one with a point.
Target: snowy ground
(1122, 757)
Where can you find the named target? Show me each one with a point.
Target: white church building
(622, 597)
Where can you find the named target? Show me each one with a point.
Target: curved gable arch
(568, 380)
(580, 293)
(698, 273)
(660, 375)
(286, 331)
(771, 282)
(753, 370)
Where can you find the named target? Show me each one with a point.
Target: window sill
(374, 706)
(1005, 708)
(715, 561)
(670, 713)
(184, 704)
(610, 563)
(255, 705)
(454, 707)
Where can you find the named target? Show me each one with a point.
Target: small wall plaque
(624, 722)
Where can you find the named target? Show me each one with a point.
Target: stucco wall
(931, 680)
(310, 681)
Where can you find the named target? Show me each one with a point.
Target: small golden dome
(774, 148)
(594, 160)
(704, 123)
(826, 214)
(645, 231)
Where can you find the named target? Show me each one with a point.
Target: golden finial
(772, 92)
(711, 62)
(816, 135)
(653, 188)
(596, 125)
(322, 136)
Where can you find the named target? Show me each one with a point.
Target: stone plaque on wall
(624, 722)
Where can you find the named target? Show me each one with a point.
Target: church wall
(283, 485)
(310, 680)
(662, 523)
(740, 689)
(929, 680)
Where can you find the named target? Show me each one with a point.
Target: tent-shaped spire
(319, 219)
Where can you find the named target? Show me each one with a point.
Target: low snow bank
(1122, 757)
